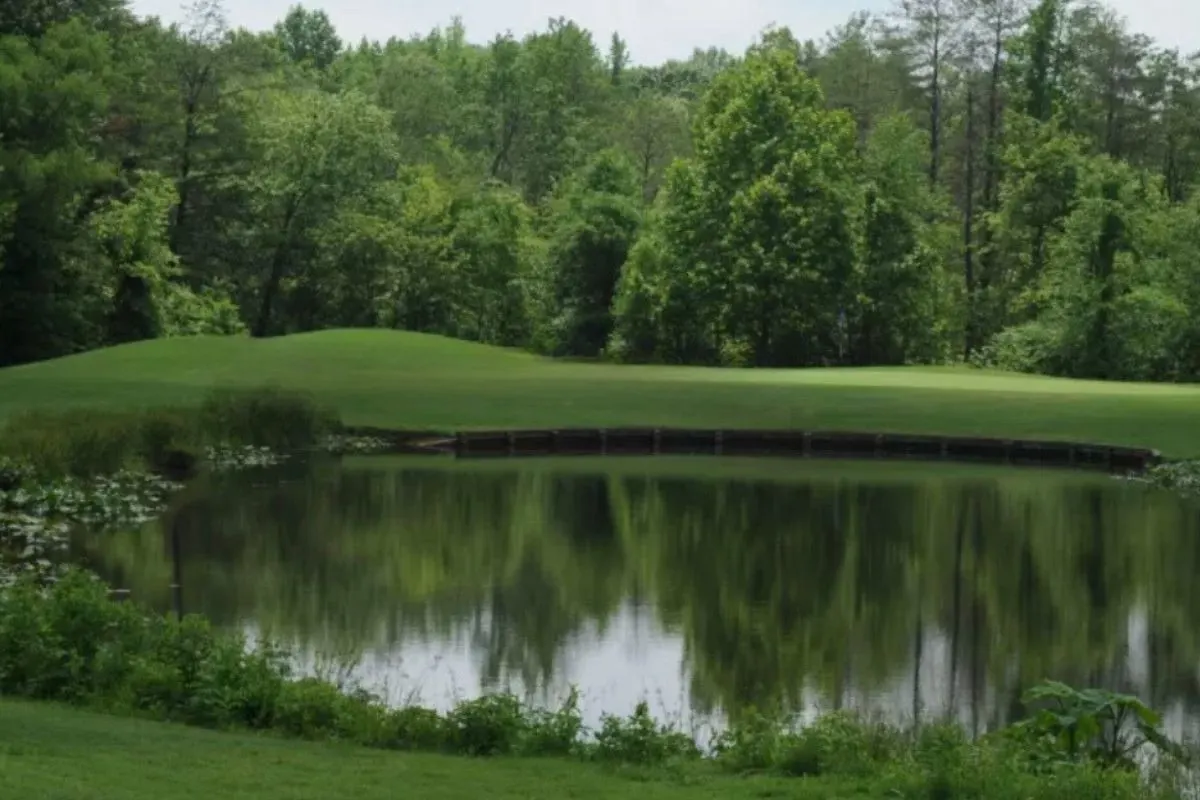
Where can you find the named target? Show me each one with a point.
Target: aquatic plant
(344, 444)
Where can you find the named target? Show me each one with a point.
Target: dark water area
(701, 585)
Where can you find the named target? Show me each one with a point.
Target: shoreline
(653, 441)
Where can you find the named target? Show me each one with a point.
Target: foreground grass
(52, 753)
(48, 752)
(395, 379)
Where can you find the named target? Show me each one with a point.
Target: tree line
(1001, 182)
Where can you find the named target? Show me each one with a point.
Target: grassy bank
(395, 379)
(49, 752)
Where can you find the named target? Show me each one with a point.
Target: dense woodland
(983, 180)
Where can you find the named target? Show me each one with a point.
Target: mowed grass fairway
(53, 753)
(405, 380)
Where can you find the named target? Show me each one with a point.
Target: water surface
(703, 585)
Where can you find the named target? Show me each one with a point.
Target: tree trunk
(970, 338)
(275, 277)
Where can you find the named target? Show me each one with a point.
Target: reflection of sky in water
(633, 660)
(636, 659)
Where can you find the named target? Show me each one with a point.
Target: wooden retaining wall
(673, 441)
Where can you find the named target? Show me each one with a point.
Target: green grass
(395, 379)
(52, 753)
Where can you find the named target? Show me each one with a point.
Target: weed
(639, 739)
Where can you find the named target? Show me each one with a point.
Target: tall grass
(70, 643)
(91, 442)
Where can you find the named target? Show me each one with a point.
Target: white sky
(655, 29)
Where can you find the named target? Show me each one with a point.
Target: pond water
(702, 585)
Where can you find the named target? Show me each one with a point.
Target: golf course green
(406, 380)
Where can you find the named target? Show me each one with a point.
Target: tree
(596, 222)
(491, 243)
(654, 130)
(308, 37)
(773, 209)
(313, 151)
(54, 91)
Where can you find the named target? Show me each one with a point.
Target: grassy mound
(406, 380)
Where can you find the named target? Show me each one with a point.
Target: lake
(702, 585)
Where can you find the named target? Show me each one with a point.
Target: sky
(655, 30)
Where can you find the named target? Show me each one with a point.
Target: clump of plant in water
(345, 444)
(1179, 476)
(224, 458)
(126, 498)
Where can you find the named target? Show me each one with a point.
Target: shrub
(840, 743)
(755, 741)
(492, 725)
(638, 739)
(553, 733)
(267, 417)
(415, 728)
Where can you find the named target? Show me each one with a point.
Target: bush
(840, 743)
(638, 739)
(754, 742)
(1031, 347)
(267, 417)
(492, 725)
(554, 733)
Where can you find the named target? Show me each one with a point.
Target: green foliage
(639, 739)
(87, 442)
(266, 417)
(1094, 724)
(1016, 188)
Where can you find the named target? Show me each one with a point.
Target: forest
(993, 182)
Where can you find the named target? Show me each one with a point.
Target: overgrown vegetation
(1005, 182)
(86, 443)
(70, 643)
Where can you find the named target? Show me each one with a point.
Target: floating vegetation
(36, 516)
(344, 444)
(126, 498)
(225, 458)
(31, 548)
(1178, 476)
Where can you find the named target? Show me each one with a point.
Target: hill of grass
(406, 380)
